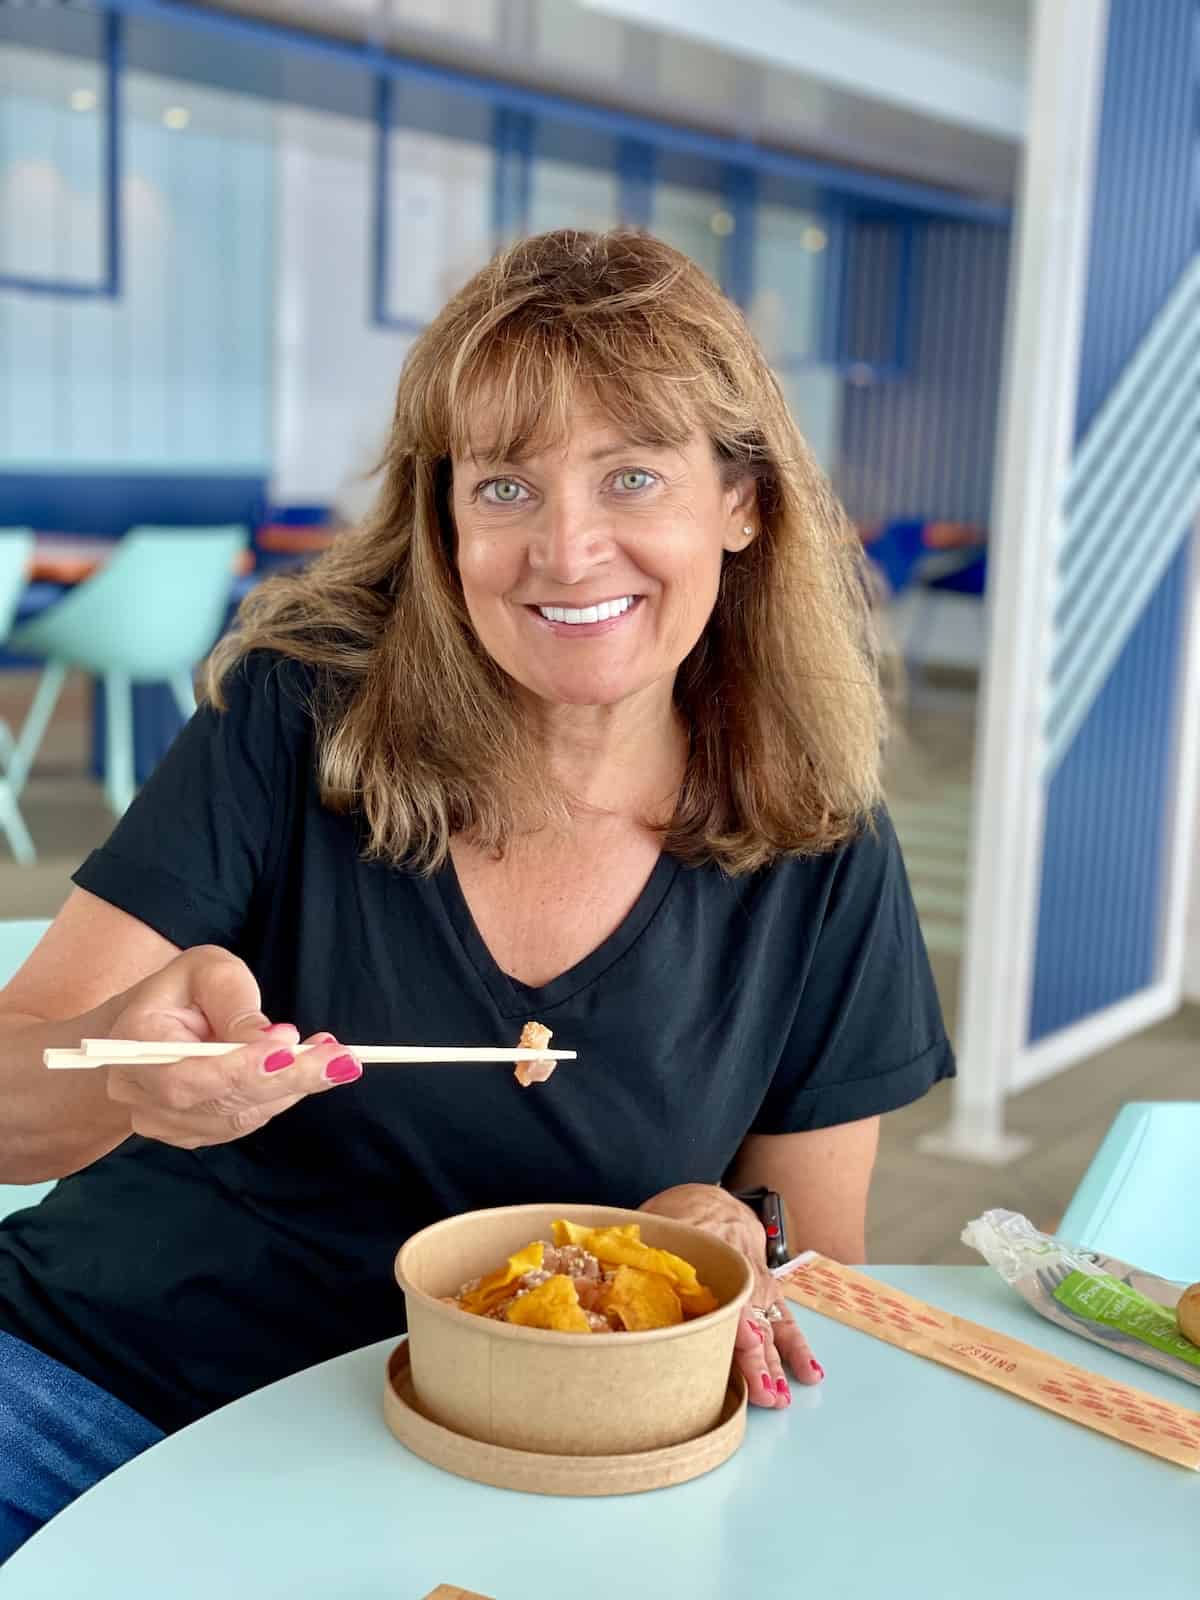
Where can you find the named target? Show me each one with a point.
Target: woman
(581, 726)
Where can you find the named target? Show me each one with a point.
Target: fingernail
(343, 1069)
(271, 1027)
(781, 1387)
(817, 1368)
(767, 1384)
(324, 1038)
(755, 1329)
(278, 1060)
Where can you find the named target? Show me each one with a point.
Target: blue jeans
(59, 1434)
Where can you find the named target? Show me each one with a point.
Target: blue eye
(502, 491)
(636, 473)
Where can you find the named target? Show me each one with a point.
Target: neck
(626, 759)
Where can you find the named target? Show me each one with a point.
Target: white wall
(335, 375)
(176, 373)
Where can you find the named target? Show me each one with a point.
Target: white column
(1036, 431)
(1183, 944)
(1191, 952)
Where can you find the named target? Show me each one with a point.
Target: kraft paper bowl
(573, 1394)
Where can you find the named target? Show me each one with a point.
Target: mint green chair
(148, 616)
(1139, 1199)
(17, 939)
(16, 548)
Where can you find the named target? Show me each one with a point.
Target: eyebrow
(620, 448)
(491, 458)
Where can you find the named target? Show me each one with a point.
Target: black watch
(768, 1208)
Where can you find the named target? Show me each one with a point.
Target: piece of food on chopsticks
(534, 1037)
(589, 1280)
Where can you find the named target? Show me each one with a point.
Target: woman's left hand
(762, 1346)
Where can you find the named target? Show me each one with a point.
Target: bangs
(521, 386)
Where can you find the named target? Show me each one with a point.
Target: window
(54, 158)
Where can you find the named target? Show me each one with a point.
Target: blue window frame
(381, 259)
(834, 270)
(715, 189)
(78, 30)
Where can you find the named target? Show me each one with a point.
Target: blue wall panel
(922, 444)
(1106, 810)
(1107, 804)
(109, 503)
(1145, 208)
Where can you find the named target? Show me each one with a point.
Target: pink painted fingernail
(324, 1038)
(343, 1069)
(781, 1387)
(767, 1384)
(817, 1368)
(278, 1060)
(273, 1027)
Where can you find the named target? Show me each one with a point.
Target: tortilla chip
(553, 1304)
(576, 1233)
(623, 1247)
(569, 1233)
(697, 1302)
(615, 1248)
(491, 1290)
(641, 1300)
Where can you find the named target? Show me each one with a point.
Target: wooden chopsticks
(160, 1053)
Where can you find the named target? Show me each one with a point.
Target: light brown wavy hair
(422, 732)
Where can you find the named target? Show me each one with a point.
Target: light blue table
(1139, 1196)
(897, 1479)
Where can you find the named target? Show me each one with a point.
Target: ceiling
(963, 62)
(925, 90)
(931, 90)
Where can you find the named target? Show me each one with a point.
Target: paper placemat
(1117, 1409)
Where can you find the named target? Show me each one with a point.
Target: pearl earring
(748, 530)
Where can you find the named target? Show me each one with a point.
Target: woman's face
(590, 571)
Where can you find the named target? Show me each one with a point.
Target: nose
(569, 544)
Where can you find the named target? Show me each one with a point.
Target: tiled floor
(919, 1202)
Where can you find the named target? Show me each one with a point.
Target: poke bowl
(593, 1393)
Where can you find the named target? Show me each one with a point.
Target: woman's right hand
(207, 994)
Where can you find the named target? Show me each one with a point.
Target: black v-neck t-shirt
(792, 998)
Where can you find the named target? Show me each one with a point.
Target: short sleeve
(191, 851)
(868, 1035)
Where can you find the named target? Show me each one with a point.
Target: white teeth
(598, 613)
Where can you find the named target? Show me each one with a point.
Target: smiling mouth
(601, 612)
